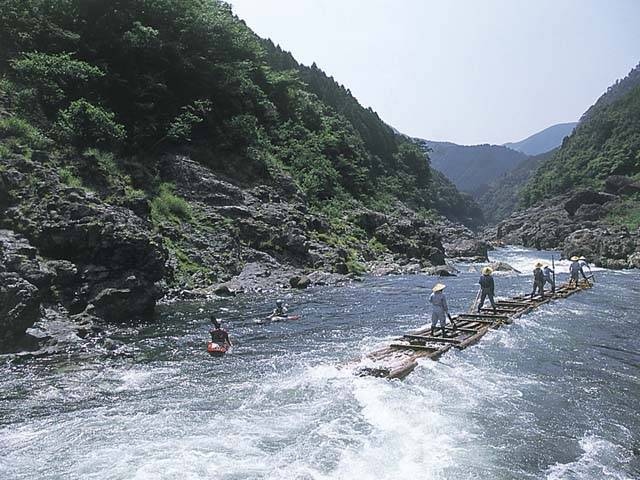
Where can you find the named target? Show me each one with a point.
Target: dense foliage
(606, 142)
(140, 76)
(503, 194)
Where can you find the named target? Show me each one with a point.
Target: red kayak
(216, 350)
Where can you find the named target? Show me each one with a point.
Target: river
(556, 395)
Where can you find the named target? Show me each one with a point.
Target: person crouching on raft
(218, 334)
(440, 309)
(487, 287)
(538, 280)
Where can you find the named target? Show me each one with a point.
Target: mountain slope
(585, 198)
(503, 194)
(543, 141)
(156, 144)
(471, 168)
(605, 142)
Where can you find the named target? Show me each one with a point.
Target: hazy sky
(474, 71)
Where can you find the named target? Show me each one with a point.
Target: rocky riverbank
(76, 258)
(580, 223)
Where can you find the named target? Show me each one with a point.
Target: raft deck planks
(400, 357)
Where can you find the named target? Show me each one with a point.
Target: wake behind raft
(399, 357)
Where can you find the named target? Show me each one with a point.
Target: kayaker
(280, 310)
(440, 309)
(487, 287)
(548, 277)
(538, 280)
(218, 334)
(574, 270)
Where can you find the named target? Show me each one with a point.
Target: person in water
(440, 309)
(487, 287)
(280, 310)
(548, 277)
(538, 280)
(218, 334)
(575, 270)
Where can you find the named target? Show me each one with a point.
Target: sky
(466, 71)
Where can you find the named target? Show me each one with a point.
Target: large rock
(621, 185)
(19, 308)
(587, 197)
(606, 247)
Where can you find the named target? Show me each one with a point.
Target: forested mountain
(543, 141)
(503, 194)
(472, 168)
(606, 142)
(585, 198)
(156, 144)
(156, 75)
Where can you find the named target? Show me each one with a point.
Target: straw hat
(582, 258)
(574, 259)
(538, 265)
(487, 271)
(438, 287)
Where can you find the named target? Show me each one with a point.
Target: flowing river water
(556, 395)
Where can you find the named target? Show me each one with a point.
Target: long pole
(553, 269)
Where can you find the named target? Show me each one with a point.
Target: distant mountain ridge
(471, 167)
(545, 140)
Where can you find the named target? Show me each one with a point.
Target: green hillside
(134, 79)
(606, 142)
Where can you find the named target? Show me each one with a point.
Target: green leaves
(83, 124)
(55, 76)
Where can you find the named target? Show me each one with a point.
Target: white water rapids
(554, 396)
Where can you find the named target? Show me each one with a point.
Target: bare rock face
(19, 308)
(612, 247)
(76, 249)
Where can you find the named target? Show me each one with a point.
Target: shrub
(84, 124)
(166, 205)
(22, 134)
(54, 75)
(68, 177)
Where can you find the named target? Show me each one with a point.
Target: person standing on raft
(584, 266)
(548, 277)
(575, 269)
(440, 309)
(487, 288)
(538, 281)
(218, 334)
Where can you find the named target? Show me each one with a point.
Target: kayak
(216, 350)
(286, 318)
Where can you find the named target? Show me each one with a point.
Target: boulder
(223, 290)
(442, 271)
(621, 185)
(608, 247)
(19, 308)
(466, 248)
(502, 267)
(587, 197)
(634, 260)
(300, 282)
(369, 220)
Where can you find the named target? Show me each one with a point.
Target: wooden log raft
(400, 356)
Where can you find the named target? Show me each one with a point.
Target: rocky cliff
(579, 223)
